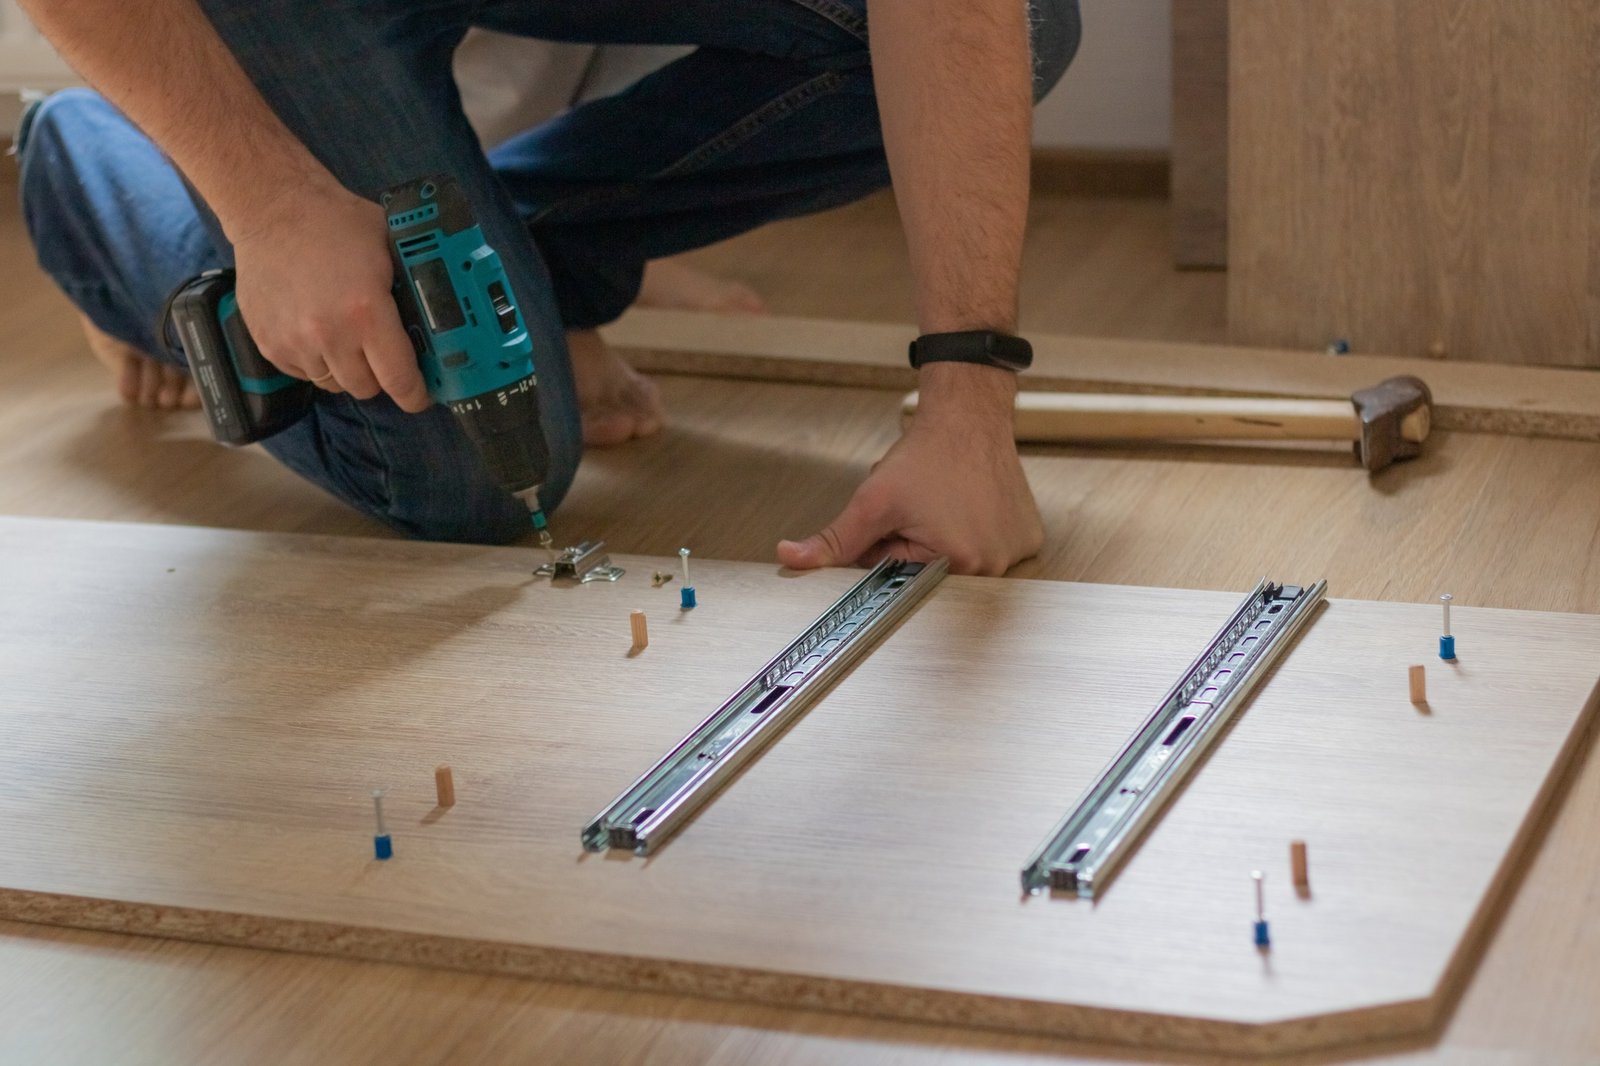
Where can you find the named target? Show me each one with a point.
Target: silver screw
(377, 809)
(683, 553)
(1445, 602)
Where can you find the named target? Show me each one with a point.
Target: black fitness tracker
(981, 346)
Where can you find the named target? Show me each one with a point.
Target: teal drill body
(474, 343)
(455, 301)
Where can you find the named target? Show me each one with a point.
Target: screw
(1263, 937)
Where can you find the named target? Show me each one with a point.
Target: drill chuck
(497, 424)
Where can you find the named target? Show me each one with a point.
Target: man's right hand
(312, 257)
(314, 284)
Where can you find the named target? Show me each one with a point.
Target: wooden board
(1405, 173)
(1472, 397)
(204, 776)
(1200, 133)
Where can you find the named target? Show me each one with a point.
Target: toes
(149, 384)
(174, 387)
(130, 378)
(607, 429)
(609, 426)
(741, 299)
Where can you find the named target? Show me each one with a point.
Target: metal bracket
(668, 794)
(582, 563)
(1087, 846)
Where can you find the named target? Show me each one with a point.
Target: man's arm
(163, 64)
(955, 95)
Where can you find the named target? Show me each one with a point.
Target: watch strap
(980, 346)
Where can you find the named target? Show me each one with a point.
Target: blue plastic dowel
(1447, 648)
(1263, 939)
(687, 600)
(382, 846)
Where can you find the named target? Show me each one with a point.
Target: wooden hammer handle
(1076, 416)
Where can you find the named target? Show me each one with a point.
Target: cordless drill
(456, 304)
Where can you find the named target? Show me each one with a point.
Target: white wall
(26, 59)
(1118, 92)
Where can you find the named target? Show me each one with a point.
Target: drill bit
(542, 524)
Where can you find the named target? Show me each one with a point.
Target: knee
(49, 129)
(47, 121)
(492, 517)
(465, 506)
(58, 187)
(1056, 28)
(49, 183)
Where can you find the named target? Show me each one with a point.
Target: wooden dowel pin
(641, 631)
(445, 784)
(1419, 685)
(1298, 865)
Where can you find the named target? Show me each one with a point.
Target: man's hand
(952, 485)
(314, 287)
(312, 257)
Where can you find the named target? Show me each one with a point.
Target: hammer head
(1395, 417)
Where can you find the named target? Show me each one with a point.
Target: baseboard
(1127, 174)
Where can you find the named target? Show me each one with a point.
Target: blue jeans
(772, 116)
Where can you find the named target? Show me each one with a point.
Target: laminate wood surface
(1412, 173)
(209, 781)
(1466, 396)
(1502, 521)
(1100, 266)
(1200, 133)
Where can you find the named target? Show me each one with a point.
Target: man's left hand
(952, 485)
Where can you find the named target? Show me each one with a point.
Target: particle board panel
(1471, 397)
(1411, 173)
(194, 718)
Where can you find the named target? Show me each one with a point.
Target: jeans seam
(385, 483)
(777, 108)
(585, 200)
(841, 15)
(773, 110)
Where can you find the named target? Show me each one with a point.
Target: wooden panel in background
(206, 779)
(1406, 173)
(1467, 396)
(1200, 133)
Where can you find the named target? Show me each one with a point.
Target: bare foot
(675, 284)
(141, 380)
(618, 402)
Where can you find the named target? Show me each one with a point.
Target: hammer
(1386, 423)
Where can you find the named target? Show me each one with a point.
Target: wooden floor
(1504, 522)
(1097, 267)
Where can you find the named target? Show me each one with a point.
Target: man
(288, 116)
